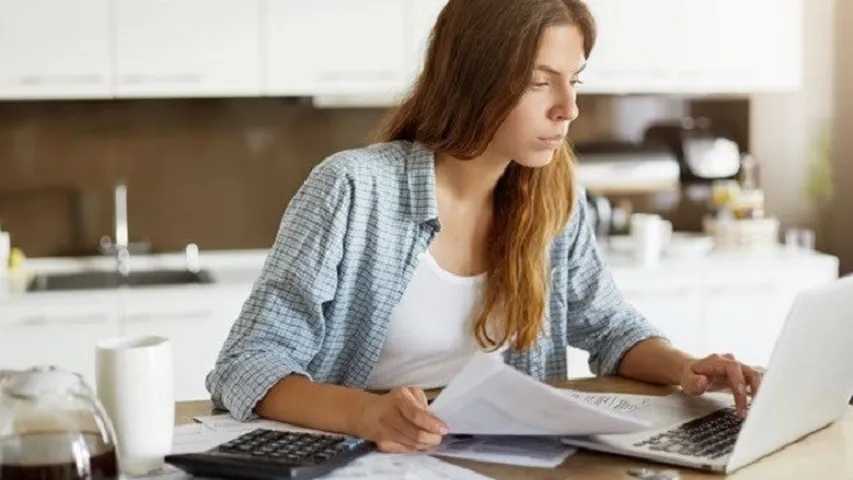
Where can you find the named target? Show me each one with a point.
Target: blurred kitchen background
(170, 136)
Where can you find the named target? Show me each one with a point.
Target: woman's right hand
(399, 421)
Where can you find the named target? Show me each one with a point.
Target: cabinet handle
(357, 75)
(643, 294)
(146, 79)
(150, 317)
(763, 287)
(38, 320)
(69, 79)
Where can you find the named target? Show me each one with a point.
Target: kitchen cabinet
(739, 321)
(371, 48)
(718, 304)
(188, 48)
(676, 46)
(334, 47)
(421, 16)
(63, 333)
(52, 49)
(676, 312)
(197, 322)
(63, 327)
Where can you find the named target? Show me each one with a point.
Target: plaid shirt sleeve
(281, 326)
(600, 320)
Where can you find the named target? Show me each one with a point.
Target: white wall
(840, 217)
(785, 127)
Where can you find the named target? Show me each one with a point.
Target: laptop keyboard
(711, 436)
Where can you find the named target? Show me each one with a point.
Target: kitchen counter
(67, 324)
(231, 267)
(228, 267)
(722, 302)
(729, 268)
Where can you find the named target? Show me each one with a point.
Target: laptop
(806, 387)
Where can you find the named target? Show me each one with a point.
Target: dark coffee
(49, 456)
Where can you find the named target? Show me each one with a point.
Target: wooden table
(825, 454)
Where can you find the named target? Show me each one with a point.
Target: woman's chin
(536, 159)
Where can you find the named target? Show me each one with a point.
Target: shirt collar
(420, 166)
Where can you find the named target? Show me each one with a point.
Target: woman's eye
(576, 82)
(539, 84)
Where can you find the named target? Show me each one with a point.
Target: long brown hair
(479, 62)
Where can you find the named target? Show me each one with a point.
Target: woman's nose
(566, 108)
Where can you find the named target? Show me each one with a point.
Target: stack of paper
(542, 452)
(489, 397)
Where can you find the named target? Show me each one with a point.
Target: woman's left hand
(718, 372)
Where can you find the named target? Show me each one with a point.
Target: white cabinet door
(776, 41)
(421, 16)
(168, 48)
(633, 50)
(746, 322)
(334, 47)
(197, 321)
(678, 313)
(677, 46)
(63, 334)
(51, 49)
(735, 46)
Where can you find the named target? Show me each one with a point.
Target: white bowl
(689, 245)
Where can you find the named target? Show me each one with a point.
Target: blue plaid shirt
(345, 251)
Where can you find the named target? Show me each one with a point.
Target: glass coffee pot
(52, 427)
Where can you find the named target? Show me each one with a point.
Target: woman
(463, 231)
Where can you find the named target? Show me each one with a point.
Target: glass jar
(52, 427)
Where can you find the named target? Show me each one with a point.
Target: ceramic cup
(650, 234)
(135, 384)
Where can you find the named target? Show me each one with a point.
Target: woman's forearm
(654, 360)
(297, 400)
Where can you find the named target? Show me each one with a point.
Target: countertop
(242, 267)
(228, 267)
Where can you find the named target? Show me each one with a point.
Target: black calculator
(269, 454)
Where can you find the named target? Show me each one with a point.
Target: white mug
(650, 234)
(134, 377)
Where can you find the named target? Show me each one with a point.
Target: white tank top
(430, 337)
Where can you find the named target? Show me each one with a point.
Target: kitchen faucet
(120, 247)
(121, 244)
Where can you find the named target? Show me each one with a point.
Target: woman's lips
(552, 141)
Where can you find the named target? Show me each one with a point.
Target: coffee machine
(704, 153)
(619, 176)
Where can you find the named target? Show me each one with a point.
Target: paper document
(489, 397)
(166, 472)
(542, 452)
(620, 403)
(196, 437)
(226, 422)
(658, 411)
(214, 430)
(389, 466)
(679, 407)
